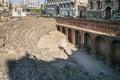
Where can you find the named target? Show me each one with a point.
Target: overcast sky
(17, 1)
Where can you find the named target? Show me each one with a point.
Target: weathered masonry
(99, 37)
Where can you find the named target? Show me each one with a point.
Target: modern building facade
(4, 4)
(71, 8)
(30, 4)
(103, 9)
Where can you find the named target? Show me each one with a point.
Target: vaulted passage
(70, 35)
(116, 51)
(77, 39)
(63, 30)
(87, 42)
(101, 46)
(58, 28)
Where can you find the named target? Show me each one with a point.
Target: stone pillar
(76, 7)
(82, 40)
(108, 52)
(73, 36)
(60, 28)
(66, 32)
(93, 45)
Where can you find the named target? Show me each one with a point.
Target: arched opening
(70, 35)
(63, 30)
(77, 39)
(68, 13)
(100, 46)
(87, 42)
(58, 28)
(57, 10)
(116, 51)
(108, 12)
(81, 12)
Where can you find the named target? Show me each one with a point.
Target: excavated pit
(34, 50)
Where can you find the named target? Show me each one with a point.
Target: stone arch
(116, 51)
(63, 30)
(101, 46)
(58, 28)
(87, 41)
(77, 38)
(69, 35)
(108, 12)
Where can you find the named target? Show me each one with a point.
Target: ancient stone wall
(102, 26)
(98, 37)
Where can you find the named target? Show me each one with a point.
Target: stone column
(93, 45)
(60, 28)
(73, 36)
(108, 52)
(76, 7)
(82, 40)
(66, 32)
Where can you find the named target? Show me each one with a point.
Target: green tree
(37, 10)
(23, 9)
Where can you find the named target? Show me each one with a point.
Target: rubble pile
(58, 69)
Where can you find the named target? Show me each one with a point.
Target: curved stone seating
(26, 33)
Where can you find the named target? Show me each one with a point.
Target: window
(118, 4)
(107, 1)
(6, 4)
(91, 4)
(98, 4)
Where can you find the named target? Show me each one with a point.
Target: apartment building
(77, 8)
(103, 9)
(4, 4)
(30, 4)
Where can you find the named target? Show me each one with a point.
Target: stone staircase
(22, 36)
(32, 31)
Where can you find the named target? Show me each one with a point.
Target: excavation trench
(58, 60)
(34, 51)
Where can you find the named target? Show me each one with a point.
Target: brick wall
(102, 26)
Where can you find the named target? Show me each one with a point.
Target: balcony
(68, 1)
(61, 2)
(54, 3)
(81, 1)
(72, 0)
(62, 8)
